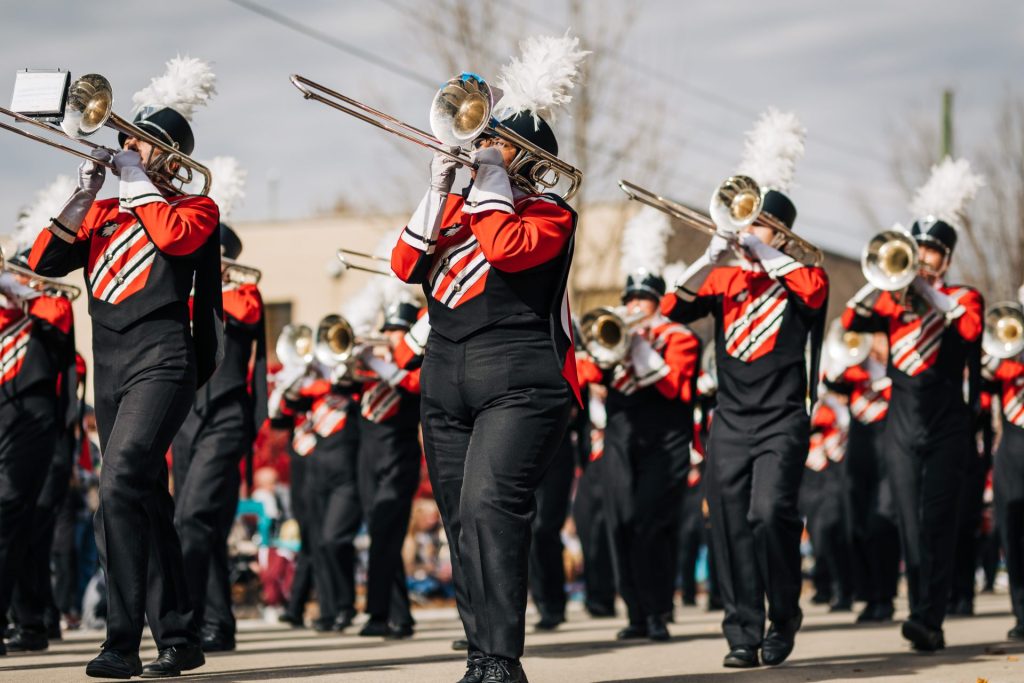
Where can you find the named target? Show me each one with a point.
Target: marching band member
(219, 432)
(499, 376)
(872, 508)
(389, 470)
(36, 347)
(650, 421)
(143, 251)
(934, 332)
(1008, 476)
(765, 309)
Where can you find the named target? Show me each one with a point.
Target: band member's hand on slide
(943, 303)
(442, 172)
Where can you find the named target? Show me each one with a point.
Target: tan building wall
(301, 281)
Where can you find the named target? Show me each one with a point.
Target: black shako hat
(536, 131)
(230, 243)
(780, 207)
(934, 232)
(399, 316)
(645, 284)
(165, 124)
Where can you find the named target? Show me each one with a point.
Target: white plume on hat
(187, 83)
(365, 308)
(772, 148)
(227, 183)
(644, 242)
(540, 80)
(951, 185)
(46, 204)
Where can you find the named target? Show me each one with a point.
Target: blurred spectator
(426, 555)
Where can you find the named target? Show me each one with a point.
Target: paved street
(828, 649)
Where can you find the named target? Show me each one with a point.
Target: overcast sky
(853, 71)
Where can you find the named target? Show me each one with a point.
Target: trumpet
(460, 113)
(295, 346)
(346, 257)
(1004, 330)
(735, 204)
(336, 342)
(89, 107)
(845, 348)
(606, 333)
(47, 285)
(890, 261)
(234, 272)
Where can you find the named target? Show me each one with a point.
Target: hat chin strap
(515, 172)
(159, 171)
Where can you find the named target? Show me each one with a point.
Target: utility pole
(947, 124)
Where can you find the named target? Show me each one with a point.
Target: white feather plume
(644, 241)
(541, 78)
(187, 83)
(46, 204)
(947, 191)
(772, 149)
(227, 183)
(365, 308)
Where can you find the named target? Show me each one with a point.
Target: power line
(348, 48)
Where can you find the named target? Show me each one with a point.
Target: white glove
(129, 161)
(718, 250)
(340, 373)
(91, 174)
(491, 189)
(386, 370)
(775, 262)
(648, 365)
(863, 302)
(442, 173)
(13, 289)
(944, 304)
(487, 156)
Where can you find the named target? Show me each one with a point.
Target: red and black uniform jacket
(323, 412)
(141, 257)
(869, 394)
(657, 400)
(1007, 376)
(495, 266)
(36, 350)
(396, 401)
(928, 358)
(828, 439)
(762, 324)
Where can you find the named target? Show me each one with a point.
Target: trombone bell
(605, 335)
(295, 345)
(845, 348)
(461, 110)
(1004, 330)
(889, 260)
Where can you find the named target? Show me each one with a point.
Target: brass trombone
(890, 261)
(336, 342)
(47, 285)
(459, 114)
(346, 257)
(295, 345)
(89, 107)
(234, 272)
(845, 348)
(1004, 330)
(735, 204)
(606, 332)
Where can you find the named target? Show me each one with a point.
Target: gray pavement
(829, 648)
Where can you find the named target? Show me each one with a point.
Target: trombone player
(766, 306)
(934, 330)
(650, 391)
(142, 252)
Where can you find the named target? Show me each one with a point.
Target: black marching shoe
(173, 660)
(742, 657)
(375, 628)
(460, 644)
(112, 664)
(876, 612)
(502, 670)
(656, 629)
(27, 641)
(549, 622)
(214, 641)
(474, 672)
(1016, 633)
(632, 632)
(964, 607)
(343, 621)
(843, 604)
(399, 631)
(323, 625)
(293, 620)
(921, 637)
(599, 610)
(778, 642)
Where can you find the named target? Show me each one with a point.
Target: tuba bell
(889, 260)
(1004, 330)
(845, 348)
(295, 346)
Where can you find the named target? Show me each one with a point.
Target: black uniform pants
(335, 515)
(871, 511)
(27, 439)
(494, 409)
(753, 481)
(645, 476)
(1008, 487)
(302, 579)
(207, 451)
(389, 474)
(145, 385)
(691, 538)
(34, 605)
(926, 474)
(592, 528)
(822, 497)
(547, 566)
(968, 525)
